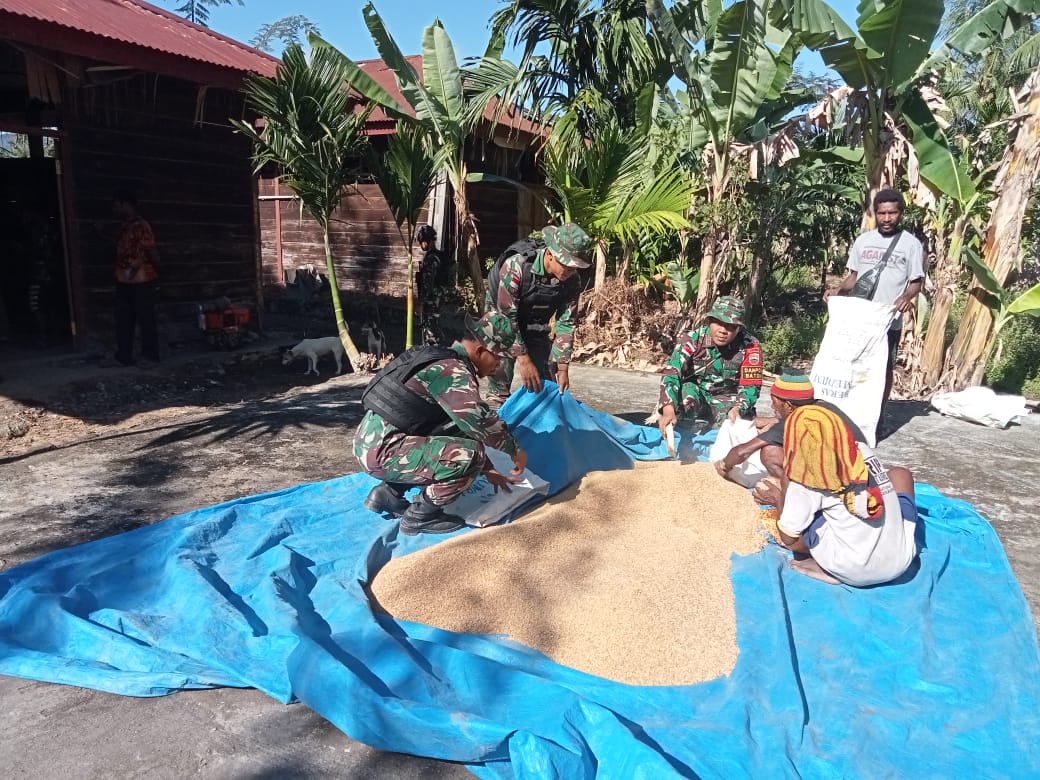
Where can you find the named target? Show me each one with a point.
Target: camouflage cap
(569, 244)
(727, 309)
(494, 331)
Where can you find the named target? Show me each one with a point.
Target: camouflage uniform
(704, 380)
(546, 348)
(438, 298)
(450, 462)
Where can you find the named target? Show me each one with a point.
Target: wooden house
(120, 96)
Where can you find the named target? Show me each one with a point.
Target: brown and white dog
(315, 349)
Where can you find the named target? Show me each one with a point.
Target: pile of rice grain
(624, 575)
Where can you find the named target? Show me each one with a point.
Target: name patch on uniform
(751, 368)
(751, 375)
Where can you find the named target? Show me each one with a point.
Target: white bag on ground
(849, 370)
(981, 405)
(481, 505)
(730, 435)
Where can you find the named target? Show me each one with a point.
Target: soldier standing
(427, 425)
(715, 370)
(437, 288)
(531, 283)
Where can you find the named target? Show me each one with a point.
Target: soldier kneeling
(427, 425)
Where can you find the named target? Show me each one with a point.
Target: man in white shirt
(886, 265)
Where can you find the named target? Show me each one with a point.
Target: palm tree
(440, 105)
(313, 133)
(405, 174)
(572, 47)
(607, 184)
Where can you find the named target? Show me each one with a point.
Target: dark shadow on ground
(269, 418)
(899, 413)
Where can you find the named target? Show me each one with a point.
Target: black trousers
(135, 307)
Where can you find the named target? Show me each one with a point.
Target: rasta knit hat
(569, 244)
(793, 385)
(727, 309)
(494, 331)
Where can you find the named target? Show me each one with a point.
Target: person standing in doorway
(136, 275)
(438, 295)
(886, 265)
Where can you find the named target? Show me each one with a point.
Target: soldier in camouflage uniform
(715, 369)
(436, 281)
(531, 290)
(427, 425)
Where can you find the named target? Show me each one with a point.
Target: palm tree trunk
(409, 329)
(1013, 185)
(626, 262)
(601, 266)
(341, 326)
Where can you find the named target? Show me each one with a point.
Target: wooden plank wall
(193, 181)
(369, 255)
(366, 247)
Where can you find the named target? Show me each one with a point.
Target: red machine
(223, 323)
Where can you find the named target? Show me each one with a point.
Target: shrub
(791, 340)
(1015, 364)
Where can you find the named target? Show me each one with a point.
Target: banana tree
(312, 134)
(437, 101)
(1017, 176)
(1002, 306)
(732, 62)
(405, 174)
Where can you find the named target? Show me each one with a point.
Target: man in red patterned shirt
(136, 273)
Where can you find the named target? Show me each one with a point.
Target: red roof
(134, 33)
(509, 122)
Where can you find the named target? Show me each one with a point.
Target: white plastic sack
(730, 435)
(849, 370)
(481, 505)
(981, 405)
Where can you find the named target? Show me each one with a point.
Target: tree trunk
(409, 328)
(626, 262)
(601, 265)
(759, 273)
(1015, 180)
(341, 326)
(934, 349)
(705, 287)
(469, 241)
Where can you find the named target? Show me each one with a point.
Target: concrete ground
(150, 467)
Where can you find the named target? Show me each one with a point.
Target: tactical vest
(540, 296)
(406, 410)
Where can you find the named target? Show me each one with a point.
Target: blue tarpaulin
(936, 676)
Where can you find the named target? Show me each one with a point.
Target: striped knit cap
(792, 385)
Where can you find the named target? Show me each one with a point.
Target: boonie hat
(569, 244)
(494, 331)
(727, 309)
(792, 385)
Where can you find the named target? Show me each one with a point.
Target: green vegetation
(1015, 364)
(791, 340)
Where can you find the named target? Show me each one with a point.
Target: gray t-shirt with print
(904, 265)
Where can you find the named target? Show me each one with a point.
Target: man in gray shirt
(886, 265)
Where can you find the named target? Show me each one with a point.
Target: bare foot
(810, 568)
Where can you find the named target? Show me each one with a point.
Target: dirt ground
(104, 450)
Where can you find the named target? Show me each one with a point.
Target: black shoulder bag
(861, 283)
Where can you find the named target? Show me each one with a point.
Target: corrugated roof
(379, 123)
(143, 25)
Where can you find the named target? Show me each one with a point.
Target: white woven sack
(849, 369)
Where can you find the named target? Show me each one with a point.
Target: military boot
(388, 497)
(425, 517)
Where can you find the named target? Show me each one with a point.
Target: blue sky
(341, 22)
